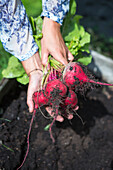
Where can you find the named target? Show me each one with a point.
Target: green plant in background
(15, 70)
(75, 37)
(33, 7)
(101, 43)
(4, 57)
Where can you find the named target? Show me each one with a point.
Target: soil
(77, 146)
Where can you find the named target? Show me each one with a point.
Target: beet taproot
(71, 100)
(40, 99)
(55, 88)
(74, 75)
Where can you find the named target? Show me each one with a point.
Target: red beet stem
(104, 84)
(28, 139)
(50, 131)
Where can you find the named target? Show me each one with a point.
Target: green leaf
(14, 68)
(47, 127)
(85, 39)
(23, 79)
(72, 35)
(39, 36)
(32, 24)
(77, 18)
(38, 23)
(5, 119)
(72, 10)
(85, 48)
(4, 57)
(7, 147)
(85, 60)
(76, 34)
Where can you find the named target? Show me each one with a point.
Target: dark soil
(76, 147)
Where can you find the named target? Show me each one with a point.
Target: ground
(76, 147)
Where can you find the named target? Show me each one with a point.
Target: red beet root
(71, 99)
(55, 88)
(40, 99)
(74, 75)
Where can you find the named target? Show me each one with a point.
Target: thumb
(70, 56)
(59, 57)
(30, 101)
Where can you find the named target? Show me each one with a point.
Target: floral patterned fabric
(15, 29)
(55, 9)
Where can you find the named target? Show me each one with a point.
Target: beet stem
(105, 84)
(56, 114)
(28, 139)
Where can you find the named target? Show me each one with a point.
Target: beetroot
(55, 88)
(71, 100)
(74, 75)
(40, 99)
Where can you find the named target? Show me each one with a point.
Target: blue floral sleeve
(55, 9)
(15, 29)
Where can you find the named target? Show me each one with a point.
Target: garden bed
(77, 146)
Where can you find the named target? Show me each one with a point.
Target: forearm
(55, 9)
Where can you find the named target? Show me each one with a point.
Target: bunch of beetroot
(61, 92)
(56, 95)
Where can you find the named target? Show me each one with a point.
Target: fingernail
(61, 120)
(30, 109)
(70, 117)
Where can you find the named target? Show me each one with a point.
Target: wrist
(51, 23)
(33, 64)
(34, 71)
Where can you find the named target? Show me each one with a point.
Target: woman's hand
(33, 67)
(53, 44)
(34, 85)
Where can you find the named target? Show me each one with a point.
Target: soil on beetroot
(76, 147)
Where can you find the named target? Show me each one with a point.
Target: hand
(34, 85)
(53, 44)
(35, 77)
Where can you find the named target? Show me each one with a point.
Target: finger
(30, 102)
(59, 57)
(70, 116)
(76, 108)
(67, 115)
(51, 113)
(70, 56)
(44, 57)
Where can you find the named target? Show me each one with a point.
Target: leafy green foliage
(14, 68)
(4, 57)
(23, 79)
(33, 7)
(47, 127)
(75, 37)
